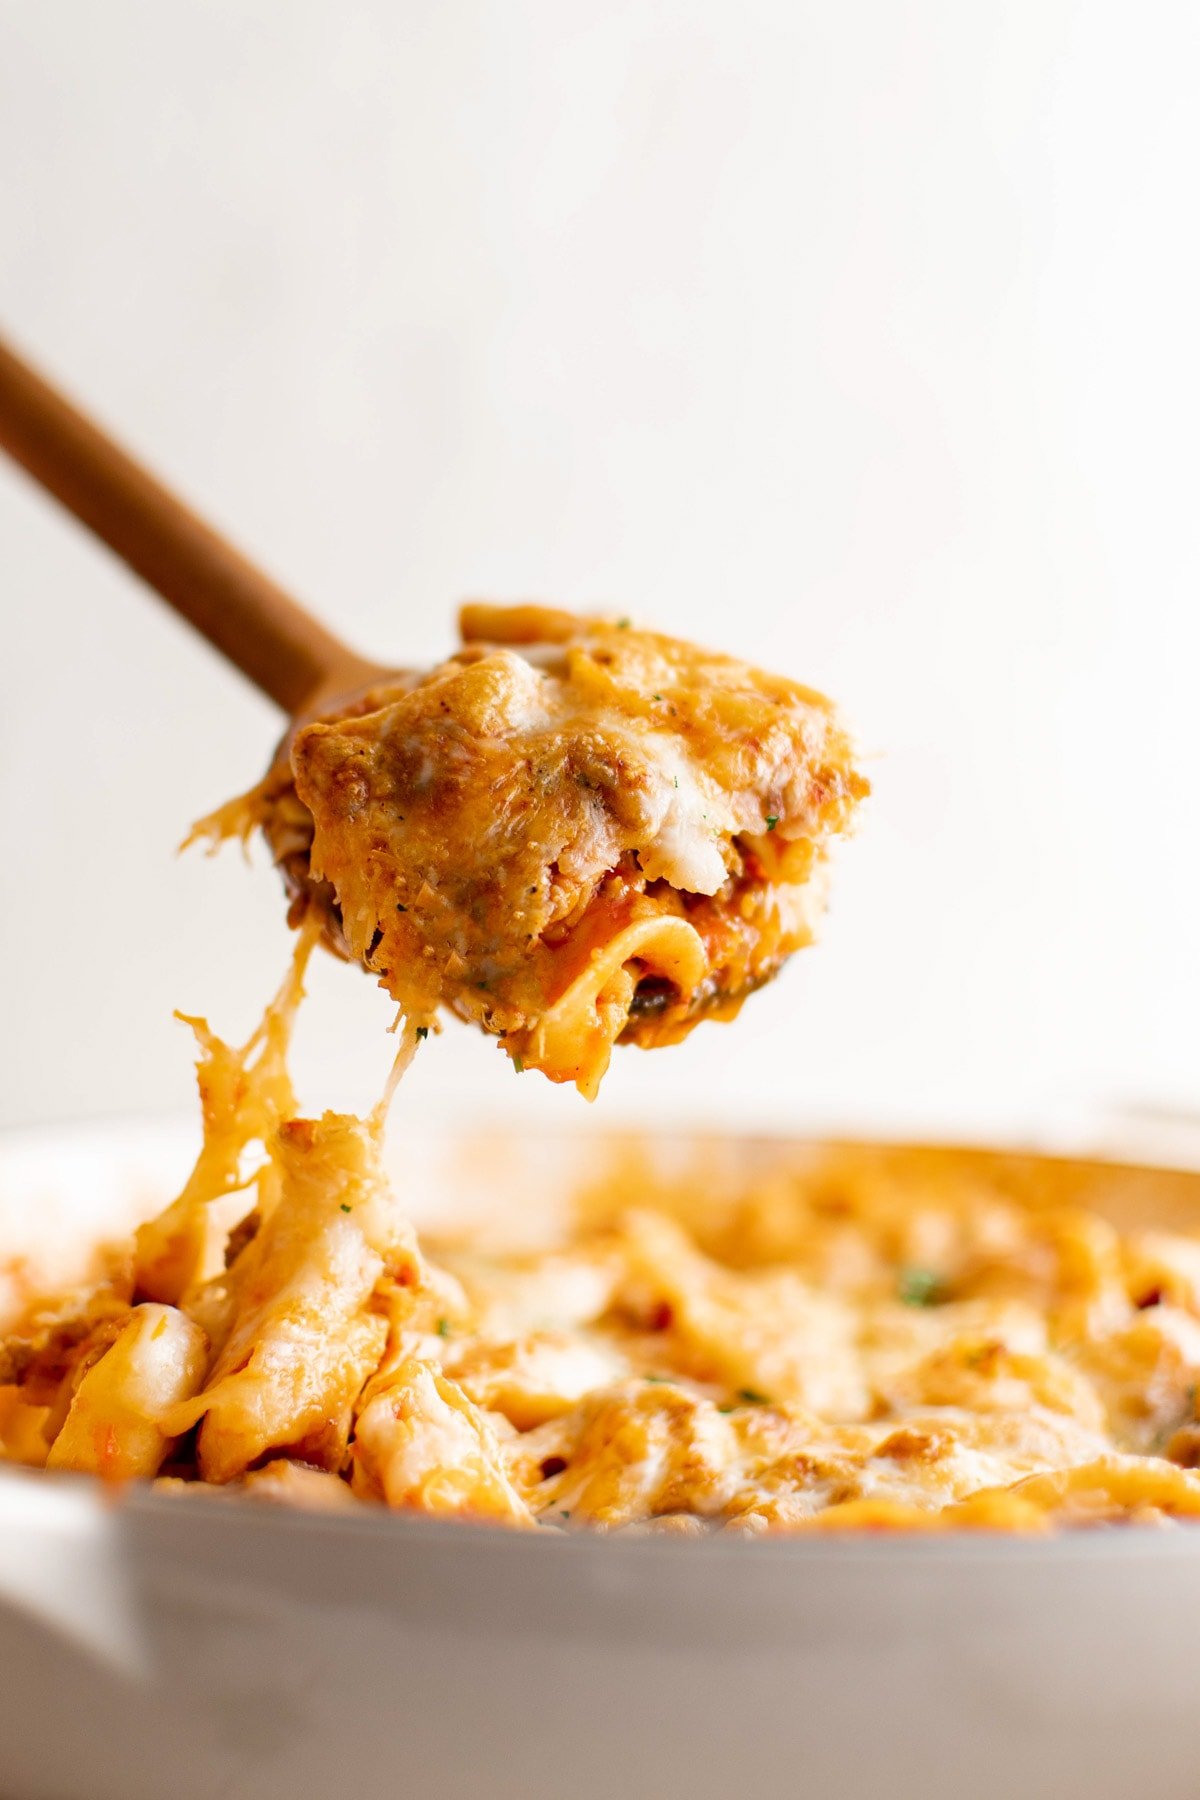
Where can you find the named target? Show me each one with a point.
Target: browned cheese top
(570, 832)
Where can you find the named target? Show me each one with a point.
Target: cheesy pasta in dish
(854, 1340)
(571, 833)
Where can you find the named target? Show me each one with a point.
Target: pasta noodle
(573, 1037)
(116, 1423)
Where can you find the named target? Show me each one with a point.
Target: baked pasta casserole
(572, 833)
(836, 1341)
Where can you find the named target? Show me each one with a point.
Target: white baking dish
(197, 1647)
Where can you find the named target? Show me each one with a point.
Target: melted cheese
(844, 1344)
(480, 835)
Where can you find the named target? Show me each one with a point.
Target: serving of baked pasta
(840, 1342)
(573, 832)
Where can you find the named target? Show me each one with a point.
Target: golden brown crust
(572, 831)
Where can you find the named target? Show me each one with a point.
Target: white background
(860, 339)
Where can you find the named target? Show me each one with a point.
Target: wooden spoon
(270, 637)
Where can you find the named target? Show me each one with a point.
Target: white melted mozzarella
(685, 848)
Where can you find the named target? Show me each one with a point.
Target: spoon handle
(279, 646)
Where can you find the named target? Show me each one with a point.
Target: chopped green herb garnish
(422, 1031)
(564, 1515)
(400, 908)
(726, 1409)
(772, 821)
(443, 1328)
(918, 1287)
(658, 696)
(677, 781)
(518, 1063)
(752, 1397)
(622, 624)
(346, 1208)
(659, 1378)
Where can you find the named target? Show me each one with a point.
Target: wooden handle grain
(282, 648)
